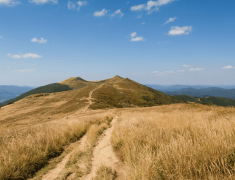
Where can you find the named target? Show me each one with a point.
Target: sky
(162, 42)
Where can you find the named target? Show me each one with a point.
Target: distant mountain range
(197, 91)
(9, 92)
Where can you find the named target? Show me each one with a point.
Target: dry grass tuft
(177, 142)
(25, 150)
(105, 173)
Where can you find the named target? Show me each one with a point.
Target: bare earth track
(90, 97)
(104, 155)
(52, 174)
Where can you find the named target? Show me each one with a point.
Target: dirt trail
(52, 174)
(104, 155)
(90, 97)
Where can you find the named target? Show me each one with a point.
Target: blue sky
(149, 41)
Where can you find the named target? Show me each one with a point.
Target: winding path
(52, 174)
(90, 97)
(104, 155)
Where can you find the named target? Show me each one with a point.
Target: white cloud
(8, 66)
(138, 39)
(180, 70)
(140, 16)
(228, 67)
(1, 37)
(9, 2)
(100, 13)
(143, 23)
(138, 7)
(170, 20)
(187, 66)
(118, 13)
(196, 69)
(25, 70)
(133, 34)
(42, 40)
(78, 4)
(134, 38)
(163, 73)
(176, 30)
(43, 1)
(27, 55)
(151, 5)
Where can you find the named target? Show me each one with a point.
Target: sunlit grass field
(25, 150)
(176, 142)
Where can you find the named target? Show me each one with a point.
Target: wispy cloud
(163, 72)
(42, 40)
(176, 30)
(103, 12)
(170, 20)
(187, 66)
(27, 55)
(176, 72)
(133, 34)
(9, 2)
(43, 1)
(118, 13)
(1, 37)
(196, 69)
(228, 67)
(25, 70)
(151, 5)
(77, 4)
(143, 23)
(134, 38)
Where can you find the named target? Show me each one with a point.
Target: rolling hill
(115, 92)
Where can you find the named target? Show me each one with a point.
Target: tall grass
(177, 142)
(24, 151)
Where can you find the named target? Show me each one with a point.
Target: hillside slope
(219, 101)
(204, 92)
(50, 88)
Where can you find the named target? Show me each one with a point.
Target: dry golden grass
(177, 142)
(105, 173)
(25, 150)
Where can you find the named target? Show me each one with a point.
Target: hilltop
(114, 92)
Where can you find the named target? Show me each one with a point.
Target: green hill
(50, 88)
(219, 101)
(116, 92)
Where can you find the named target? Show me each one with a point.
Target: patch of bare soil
(104, 155)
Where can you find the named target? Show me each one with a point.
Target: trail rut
(52, 174)
(90, 97)
(104, 155)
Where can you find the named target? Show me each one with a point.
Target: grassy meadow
(176, 142)
(25, 150)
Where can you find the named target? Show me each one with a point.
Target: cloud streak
(43, 1)
(176, 30)
(170, 20)
(228, 67)
(103, 12)
(27, 55)
(9, 2)
(196, 69)
(78, 4)
(135, 38)
(118, 13)
(42, 40)
(151, 6)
